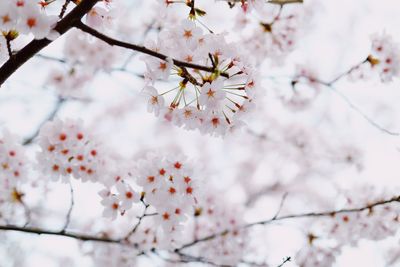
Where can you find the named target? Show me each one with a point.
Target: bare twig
(9, 49)
(56, 109)
(281, 205)
(140, 218)
(287, 259)
(64, 8)
(71, 206)
(331, 84)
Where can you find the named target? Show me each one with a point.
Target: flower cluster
(315, 255)
(167, 186)
(69, 83)
(81, 48)
(111, 255)
(374, 224)
(385, 56)
(212, 101)
(119, 201)
(26, 17)
(273, 38)
(102, 15)
(384, 60)
(67, 149)
(13, 169)
(327, 236)
(215, 218)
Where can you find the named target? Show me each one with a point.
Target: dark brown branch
(9, 49)
(141, 49)
(287, 259)
(18, 59)
(64, 9)
(39, 231)
(294, 216)
(210, 237)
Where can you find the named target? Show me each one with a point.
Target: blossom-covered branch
(82, 237)
(31, 49)
(142, 49)
(395, 199)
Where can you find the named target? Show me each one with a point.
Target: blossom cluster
(214, 216)
(374, 224)
(69, 82)
(13, 168)
(385, 56)
(85, 55)
(384, 60)
(102, 15)
(26, 17)
(274, 31)
(167, 186)
(69, 150)
(93, 53)
(212, 101)
(327, 236)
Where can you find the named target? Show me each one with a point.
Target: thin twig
(140, 218)
(56, 109)
(281, 205)
(331, 84)
(9, 49)
(287, 259)
(71, 206)
(64, 9)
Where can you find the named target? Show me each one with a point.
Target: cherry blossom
(14, 173)
(385, 56)
(214, 217)
(26, 17)
(67, 149)
(301, 170)
(92, 53)
(216, 97)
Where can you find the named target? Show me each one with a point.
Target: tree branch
(18, 59)
(121, 241)
(275, 2)
(114, 42)
(71, 206)
(40, 231)
(284, 2)
(331, 84)
(294, 216)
